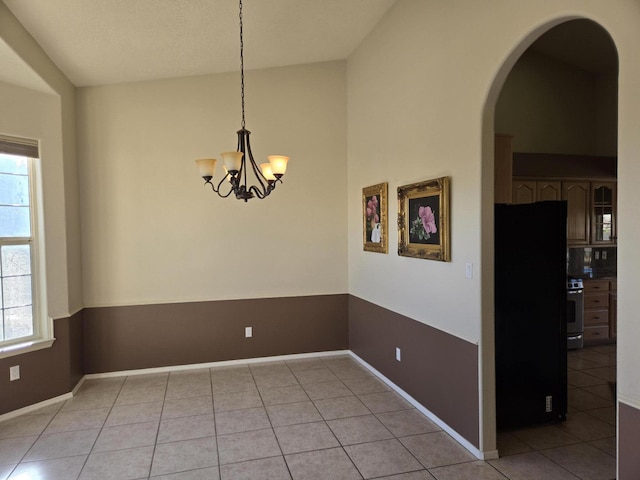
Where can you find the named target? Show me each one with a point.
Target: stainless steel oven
(575, 313)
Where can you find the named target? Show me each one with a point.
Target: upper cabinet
(591, 206)
(529, 191)
(578, 213)
(524, 191)
(603, 210)
(548, 190)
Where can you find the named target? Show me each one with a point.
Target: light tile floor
(321, 418)
(585, 444)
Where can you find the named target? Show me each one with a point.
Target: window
(23, 321)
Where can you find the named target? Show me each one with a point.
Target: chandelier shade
(240, 167)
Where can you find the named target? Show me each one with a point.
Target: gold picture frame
(424, 220)
(374, 218)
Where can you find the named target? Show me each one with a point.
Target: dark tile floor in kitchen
(319, 418)
(585, 444)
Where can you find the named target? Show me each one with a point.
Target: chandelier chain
(242, 65)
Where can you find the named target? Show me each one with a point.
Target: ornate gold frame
(380, 192)
(439, 188)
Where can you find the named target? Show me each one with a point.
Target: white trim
(26, 347)
(225, 363)
(68, 315)
(151, 301)
(629, 401)
(491, 455)
(75, 390)
(35, 406)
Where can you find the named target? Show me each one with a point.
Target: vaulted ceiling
(96, 42)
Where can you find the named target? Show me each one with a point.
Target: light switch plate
(468, 270)
(14, 373)
(248, 332)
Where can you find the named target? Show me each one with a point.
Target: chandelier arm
(258, 193)
(218, 190)
(257, 172)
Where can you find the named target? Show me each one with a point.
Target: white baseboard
(430, 415)
(35, 406)
(226, 363)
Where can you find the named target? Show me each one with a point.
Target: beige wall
(153, 233)
(49, 117)
(36, 115)
(436, 70)
(551, 107)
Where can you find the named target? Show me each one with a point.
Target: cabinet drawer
(596, 333)
(596, 317)
(596, 286)
(597, 300)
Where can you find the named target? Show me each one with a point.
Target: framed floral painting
(374, 218)
(423, 220)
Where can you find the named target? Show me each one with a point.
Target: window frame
(42, 336)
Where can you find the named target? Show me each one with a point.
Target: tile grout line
(215, 424)
(155, 443)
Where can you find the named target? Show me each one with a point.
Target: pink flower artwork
(428, 219)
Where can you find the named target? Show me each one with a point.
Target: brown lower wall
(45, 373)
(437, 369)
(628, 441)
(145, 336)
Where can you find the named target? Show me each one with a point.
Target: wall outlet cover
(248, 332)
(14, 373)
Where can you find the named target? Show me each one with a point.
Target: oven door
(575, 318)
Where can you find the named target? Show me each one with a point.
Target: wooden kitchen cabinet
(548, 190)
(591, 206)
(529, 191)
(597, 312)
(603, 213)
(576, 193)
(613, 310)
(524, 191)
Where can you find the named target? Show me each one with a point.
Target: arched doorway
(554, 31)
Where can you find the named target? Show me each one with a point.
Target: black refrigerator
(531, 313)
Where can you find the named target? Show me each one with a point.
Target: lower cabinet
(599, 313)
(613, 310)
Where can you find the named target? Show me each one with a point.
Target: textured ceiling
(96, 42)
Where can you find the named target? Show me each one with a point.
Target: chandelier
(238, 165)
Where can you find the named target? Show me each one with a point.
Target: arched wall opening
(487, 344)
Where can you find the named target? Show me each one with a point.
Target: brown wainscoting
(146, 336)
(45, 373)
(437, 369)
(628, 441)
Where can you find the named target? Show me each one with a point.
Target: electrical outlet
(14, 373)
(398, 357)
(548, 404)
(248, 332)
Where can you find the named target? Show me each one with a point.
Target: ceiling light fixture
(236, 165)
